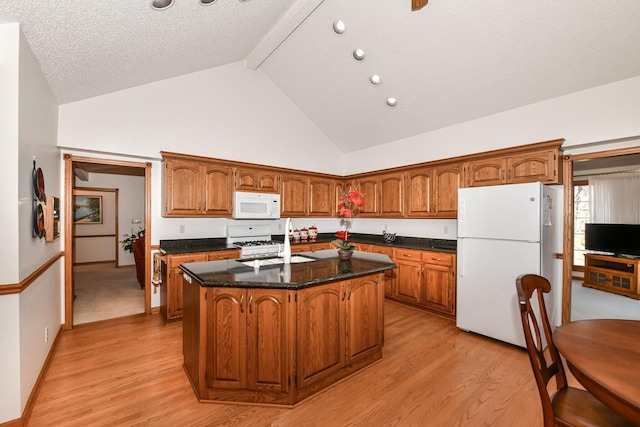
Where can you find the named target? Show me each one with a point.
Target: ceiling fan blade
(418, 4)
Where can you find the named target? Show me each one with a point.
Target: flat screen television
(618, 239)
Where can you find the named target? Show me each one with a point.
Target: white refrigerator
(505, 231)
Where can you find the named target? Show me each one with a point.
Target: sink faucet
(286, 253)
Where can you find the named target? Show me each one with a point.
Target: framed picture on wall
(87, 209)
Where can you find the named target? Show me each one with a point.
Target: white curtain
(615, 198)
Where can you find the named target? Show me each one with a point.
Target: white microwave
(247, 205)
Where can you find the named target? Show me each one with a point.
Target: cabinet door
(419, 197)
(218, 190)
(321, 331)
(247, 179)
(446, 181)
(365, 299)
(321, 192)
(392, 195)
(409, 281)
(226, 336)
(175, 285)
(182, 188)
(269, 181)
(389, 275)
(370, 187)
(479, 173)
(531, 167)
(294, 195)
(438, 288)
(268, 342)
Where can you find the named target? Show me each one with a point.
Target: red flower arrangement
(348, 206)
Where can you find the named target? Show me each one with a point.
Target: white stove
(254, 241)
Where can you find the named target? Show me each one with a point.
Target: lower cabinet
(279, 346)
(171, 289)
(389, 275)
(426, 279)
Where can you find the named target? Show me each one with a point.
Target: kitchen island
(278, 333)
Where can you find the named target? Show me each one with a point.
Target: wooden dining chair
(568, 406)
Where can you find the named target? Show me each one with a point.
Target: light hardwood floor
(128, 372)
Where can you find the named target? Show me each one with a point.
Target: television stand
(612, 274)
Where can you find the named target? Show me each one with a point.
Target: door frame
(567, 250)
(69, 159)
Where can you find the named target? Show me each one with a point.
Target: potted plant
(134, 243)
(348, 206)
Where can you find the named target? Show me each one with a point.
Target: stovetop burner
(256, 243)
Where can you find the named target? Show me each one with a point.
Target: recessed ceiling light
(207, 2)
(161, 4)
(243, 1)
(339, 27)
(375, 80)
(392, 102)
(358, 55)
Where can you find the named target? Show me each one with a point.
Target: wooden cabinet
(426, 279)
(326, 316)
(389, 275)
(196, 188)
(248, 179)
(294, 195)
(279, 346)
(433, 192)
(537, 162)
(171, 289)
(612, 274)
(171, 301)
(321, 196)
(383, 195)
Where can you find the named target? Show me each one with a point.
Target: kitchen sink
(295, 259)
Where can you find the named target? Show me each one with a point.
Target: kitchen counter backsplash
(178, 246)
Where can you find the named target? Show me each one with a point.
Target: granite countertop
(327, 267)
(182, 246)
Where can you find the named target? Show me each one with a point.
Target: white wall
(227, 112)
(604, 113)
(28, 126)
(130, 204)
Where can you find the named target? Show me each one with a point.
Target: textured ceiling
(450, 62)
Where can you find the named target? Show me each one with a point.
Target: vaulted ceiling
(449, 62)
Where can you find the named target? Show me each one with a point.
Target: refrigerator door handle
(461, 218)
(461, 259)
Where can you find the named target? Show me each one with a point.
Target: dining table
(604, 356)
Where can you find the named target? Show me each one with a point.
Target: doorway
(104, 168)
(572, 164)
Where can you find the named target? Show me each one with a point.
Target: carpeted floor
(104, 292)
(589, 303)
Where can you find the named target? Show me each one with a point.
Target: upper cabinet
(321, 197)
(202, 187)
(196, 188)
(383, 195)
(294, 195)
(249, 179)
(536, 162)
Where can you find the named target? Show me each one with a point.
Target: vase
(346, 255)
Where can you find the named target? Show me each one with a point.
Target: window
(580, 218)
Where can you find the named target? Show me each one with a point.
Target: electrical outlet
(136, 221)
(46, 334)
(181, 229)
(445, 229)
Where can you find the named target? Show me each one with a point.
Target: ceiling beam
(418, 4)
(291, 20)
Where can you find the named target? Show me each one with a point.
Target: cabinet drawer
(218, 255)
(176, 260)
(382, 250)
(438, 258)
(408, 254)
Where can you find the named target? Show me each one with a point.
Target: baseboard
(155, 310)
(36, 387)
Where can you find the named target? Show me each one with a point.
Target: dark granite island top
(326, 268)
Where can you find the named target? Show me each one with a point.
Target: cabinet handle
(250, 302)
(349, 296)
(241, 303)
(436, 259)
(342, 291)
